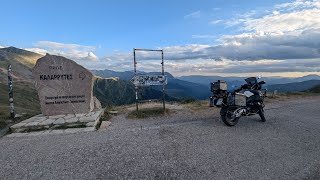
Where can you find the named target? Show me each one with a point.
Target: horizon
(212, 38)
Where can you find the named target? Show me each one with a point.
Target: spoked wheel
(261, 114)
(228, 117)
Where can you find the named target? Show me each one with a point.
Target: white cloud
(216, 21)
(37, 50)
(195, 14)
(288, 22)
(297, 5)
(1, 46)
(56, 45)
(72, 51)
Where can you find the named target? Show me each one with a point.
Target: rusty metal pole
(163, 86)
(10, 88)
(135, 73)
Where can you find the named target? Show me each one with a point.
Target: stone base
(41, 122)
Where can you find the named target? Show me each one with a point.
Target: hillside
(21, 60)
(315, 89)
(294, 87)
(25, 95)
(119, 92)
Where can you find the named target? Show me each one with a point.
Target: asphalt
(186, 146)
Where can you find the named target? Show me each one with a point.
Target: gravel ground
(184, 145)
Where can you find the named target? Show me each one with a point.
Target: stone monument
(64, 87)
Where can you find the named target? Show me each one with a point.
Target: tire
(261, 114)
(229, 121)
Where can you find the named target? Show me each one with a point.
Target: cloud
(286, 39)
(56, 45)
(297, 5)
(72, 51)
(288, 22)
(195, 14)
(37, 50)
(216, 21)
(283, 39)
(1, 46)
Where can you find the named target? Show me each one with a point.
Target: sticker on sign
(149, 80)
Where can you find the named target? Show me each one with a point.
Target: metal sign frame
(162, 73)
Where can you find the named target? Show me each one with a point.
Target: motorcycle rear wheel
(228, 117)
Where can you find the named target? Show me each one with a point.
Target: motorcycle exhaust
(239, 112)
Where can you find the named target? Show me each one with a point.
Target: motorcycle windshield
(251, 80)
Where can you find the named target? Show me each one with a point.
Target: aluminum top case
(219, 85)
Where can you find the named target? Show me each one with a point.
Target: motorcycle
(248, 100)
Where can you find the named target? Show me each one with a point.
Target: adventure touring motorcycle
(245, 101)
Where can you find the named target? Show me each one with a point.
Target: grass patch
(26, 102)
(147, 113)
(198, 105)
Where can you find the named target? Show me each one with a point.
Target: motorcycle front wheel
(261, 114)
(228, 117)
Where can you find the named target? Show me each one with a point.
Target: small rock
(105, 124)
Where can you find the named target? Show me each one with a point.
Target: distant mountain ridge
(240, 80)
(294, 87)
(176, 88)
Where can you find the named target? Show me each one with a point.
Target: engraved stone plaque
(64, 87)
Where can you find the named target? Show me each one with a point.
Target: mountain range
(281, 84)
(117, 91)
(176, 88)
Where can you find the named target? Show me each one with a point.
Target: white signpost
(149, 80)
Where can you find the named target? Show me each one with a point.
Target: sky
(207, 37)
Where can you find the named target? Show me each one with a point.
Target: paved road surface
(287, 146)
